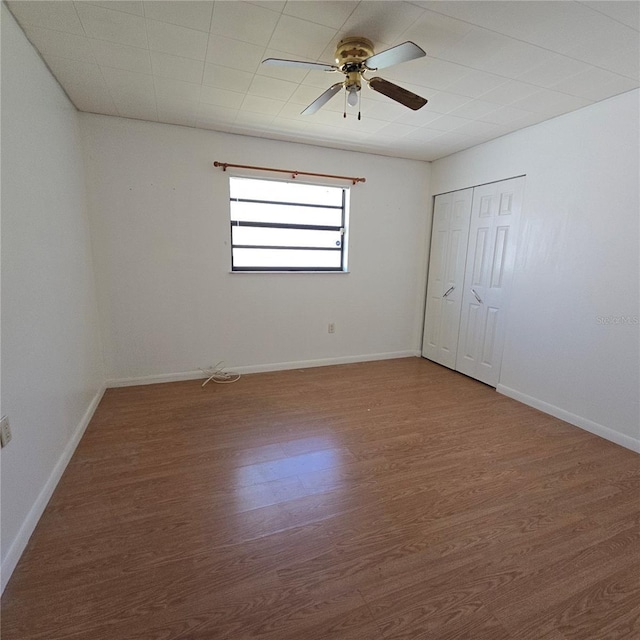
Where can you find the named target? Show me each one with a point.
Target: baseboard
(28, 526)
(578, 421)
(261, 368)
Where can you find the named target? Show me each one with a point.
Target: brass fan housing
(353, 50)
(350, 56)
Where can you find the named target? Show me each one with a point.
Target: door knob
(448, 291)
(478, 298)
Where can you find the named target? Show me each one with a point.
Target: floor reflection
(292, 476)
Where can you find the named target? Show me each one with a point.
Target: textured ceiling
(491, 67)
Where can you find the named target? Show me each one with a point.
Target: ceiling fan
(354, 57)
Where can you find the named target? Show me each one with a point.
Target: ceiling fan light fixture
(352, 98)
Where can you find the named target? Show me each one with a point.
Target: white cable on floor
(219, 375)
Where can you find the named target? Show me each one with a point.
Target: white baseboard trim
(261, 368)
(28, 526)
(578, 421)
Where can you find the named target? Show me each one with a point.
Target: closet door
(490, 259)
(449, 237)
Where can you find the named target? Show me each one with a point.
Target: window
(287, 226)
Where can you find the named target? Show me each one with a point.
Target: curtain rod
(293, 174)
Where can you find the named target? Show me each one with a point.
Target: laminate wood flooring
(383, 500)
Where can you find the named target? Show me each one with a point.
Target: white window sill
(330, 273)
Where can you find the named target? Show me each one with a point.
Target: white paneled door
(489, 268)
(451, 215)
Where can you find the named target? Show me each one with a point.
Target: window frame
(342, 229)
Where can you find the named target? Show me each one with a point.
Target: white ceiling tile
(383, 21)
(167, 66)
(119, 5)
(602, 91)
(428, 72)
(235, 54)
(176, 40)
(121, 56)
(444, 102)
(272, 5)
(514, 59)
(425, 134)
(420, 118)
(175, 103)
(453, 140)
(329, 14)
(521, 122)
(474, 110)
(545, 24)
(221, 97)
(178, 112)
(477, 128)
(247, 22)
(387, 111)
(139, 109)
(583, 83)
(114, 26)
(477, 46)
(287, 124)
(57, 43)
(448, 123)
(60, 16)
(627, 13)
(268, 106)
(194, 15)
(211, 115)
(505, 115)
(556, 68)
(435, 33)
(550, 103)
(226, 78)
(250, 118)
(128, 84)
(272, 88)
(618, 50)
(170, 88)
(396, 130)
(509, 92)
(300, 37)
(475, 83)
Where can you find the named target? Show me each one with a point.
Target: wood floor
(384, 500)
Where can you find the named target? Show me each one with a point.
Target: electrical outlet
(332, 327)
(5, 432)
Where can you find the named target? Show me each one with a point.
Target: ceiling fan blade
(323, 99)
(393, 91)
(401, 53)
(316, 66)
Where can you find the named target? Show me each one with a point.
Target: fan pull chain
(359, 103)
(344, 115)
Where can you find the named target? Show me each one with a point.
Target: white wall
(51, 356)
(577, 263)
(168, 304)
